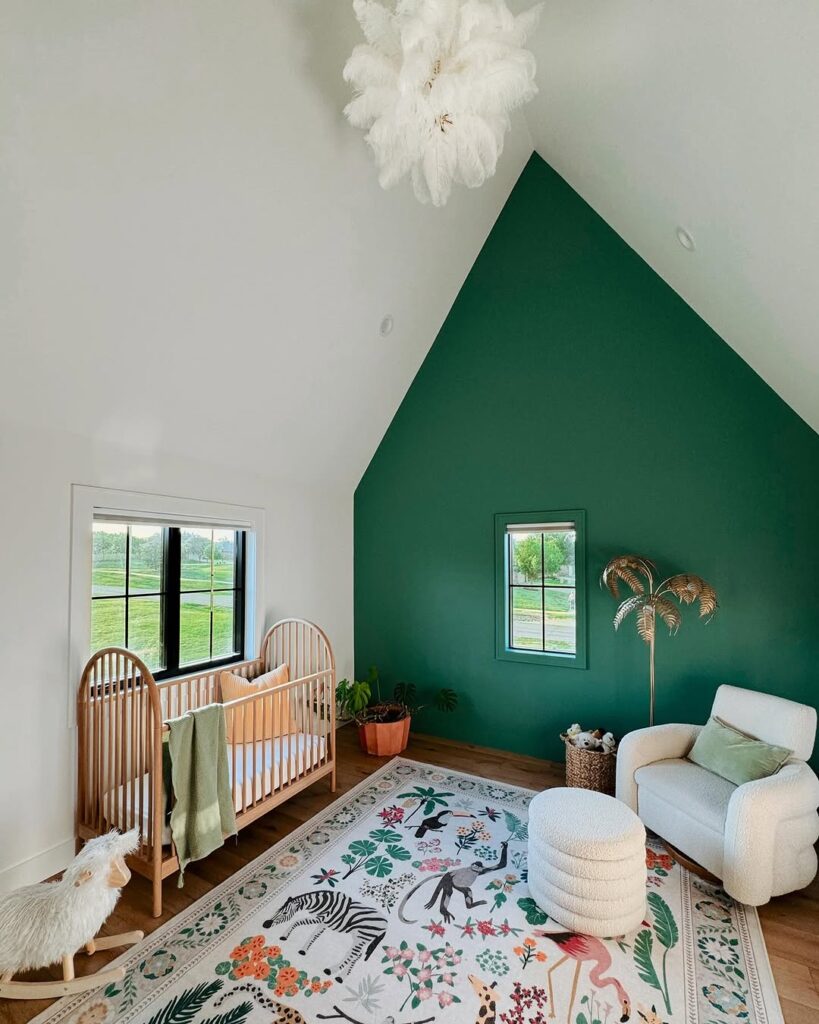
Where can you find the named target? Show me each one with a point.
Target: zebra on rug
(337, 911)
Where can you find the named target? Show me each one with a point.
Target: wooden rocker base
(688, 864)
(70, 985)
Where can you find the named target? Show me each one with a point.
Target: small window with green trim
(541, 587)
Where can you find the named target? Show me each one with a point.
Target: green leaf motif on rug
(534, 915)
(664, 924)
(238, 1015)
(362, 848)
(518, 829)
(378, 867)
(428, 798)
(182, 1009)
(399, 852)
(643, 946)
(363, 853)
(385, 835)
(665, 928)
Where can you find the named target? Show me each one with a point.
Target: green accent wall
(569, 375)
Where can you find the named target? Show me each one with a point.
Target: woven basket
(590, 769)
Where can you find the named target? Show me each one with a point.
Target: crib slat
(150, 739)
(253, 764)
(131, 725)
(122, 729)
(99, 792)
(234, 784)
(141, 756)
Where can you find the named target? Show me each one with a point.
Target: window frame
(503, 650)
(171, 593)
(89, 500)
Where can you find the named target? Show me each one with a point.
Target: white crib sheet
(258, 773)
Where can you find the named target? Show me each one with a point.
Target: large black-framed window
(174, 595)
(541, 587)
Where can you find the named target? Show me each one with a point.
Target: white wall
(184, 205)
(195, 258)
(308, 572)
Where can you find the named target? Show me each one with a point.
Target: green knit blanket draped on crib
(203, 814)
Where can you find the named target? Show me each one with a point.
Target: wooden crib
(122, 714)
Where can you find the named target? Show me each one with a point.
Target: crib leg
(157, 894)
(333, 780)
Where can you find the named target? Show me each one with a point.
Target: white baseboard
(34, 869)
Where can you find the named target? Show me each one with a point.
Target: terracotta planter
(383, 739)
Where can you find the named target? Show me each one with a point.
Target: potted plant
(383, 726)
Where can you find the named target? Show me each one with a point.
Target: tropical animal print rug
(406, 902)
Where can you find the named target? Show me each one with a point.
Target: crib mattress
(260, 769)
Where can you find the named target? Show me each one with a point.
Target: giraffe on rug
(486, 993)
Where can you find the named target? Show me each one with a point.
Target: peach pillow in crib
(272, 718)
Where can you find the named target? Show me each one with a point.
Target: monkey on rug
(460, 879)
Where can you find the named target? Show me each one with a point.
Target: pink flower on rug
(437, 864)
(444, 999)
(392, 952)
(392, 815)
(423, 993)
(408, 954)
(435, 928)
(425, 974)
(486, 928)
(400, 971)
(424, 956)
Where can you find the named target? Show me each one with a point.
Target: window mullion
(511, 592)
(172, 599)
(543, 592)
(127, 579)
(239, 585)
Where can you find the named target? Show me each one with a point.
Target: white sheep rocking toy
(48, 923)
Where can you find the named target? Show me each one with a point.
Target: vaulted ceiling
(703, 116)
(196, 254)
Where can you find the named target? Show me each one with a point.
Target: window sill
(542, 658)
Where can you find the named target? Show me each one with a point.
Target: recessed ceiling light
(685, 239)
(386, 325)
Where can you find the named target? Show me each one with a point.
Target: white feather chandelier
(435, 83)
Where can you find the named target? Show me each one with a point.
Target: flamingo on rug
(584, 949)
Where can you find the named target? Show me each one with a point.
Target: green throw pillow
(734, 755)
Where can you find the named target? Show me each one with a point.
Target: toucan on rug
(406, 902)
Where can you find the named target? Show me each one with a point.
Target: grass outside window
(173, 596)
(541, 587)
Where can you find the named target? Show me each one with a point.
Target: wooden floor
(790, 924)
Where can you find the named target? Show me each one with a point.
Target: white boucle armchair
(759, 837)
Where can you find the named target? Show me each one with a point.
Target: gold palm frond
(627, 607)
(628, 569)
(645, 622)
(688, 589)
(668, 612)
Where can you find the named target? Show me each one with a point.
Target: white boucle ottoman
(587, 861)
